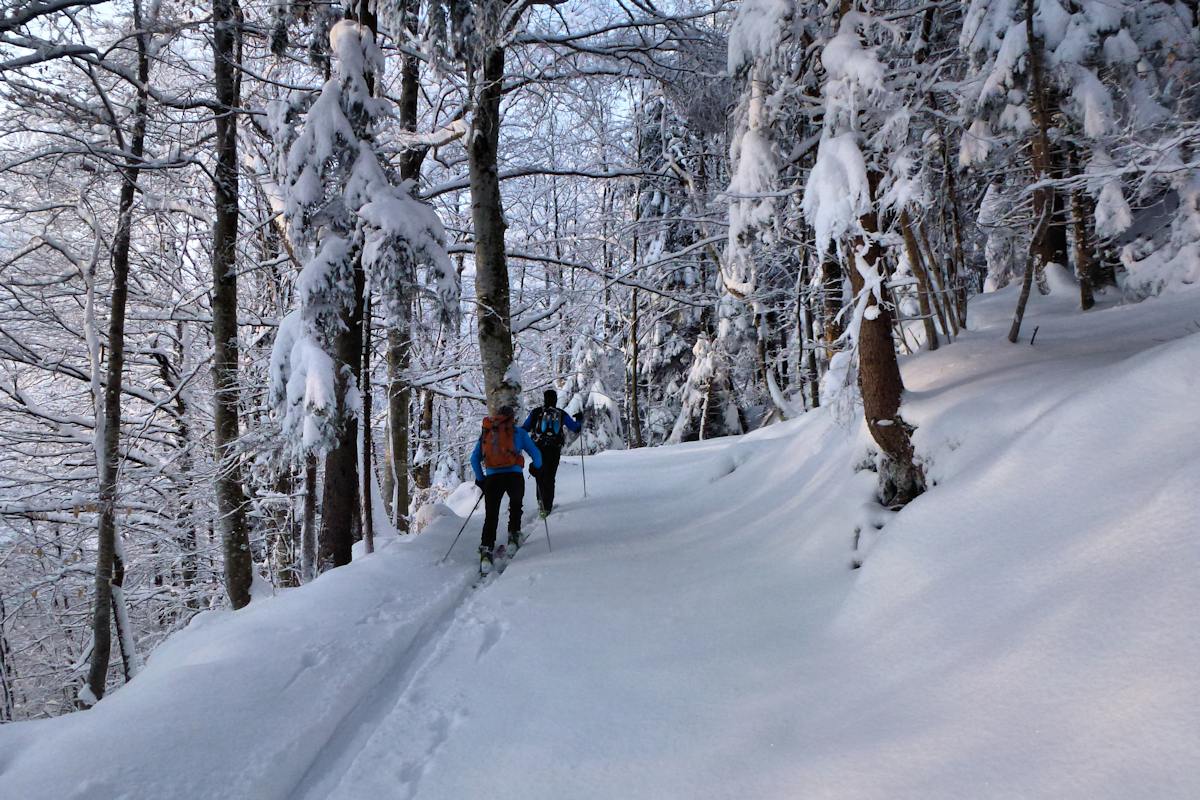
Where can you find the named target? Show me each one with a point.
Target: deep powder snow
(1025, 629)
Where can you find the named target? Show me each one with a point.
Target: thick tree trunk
(109, 431)
(340, 508)
(901, 479)
(366, 472)
(501, 384)
(230, 496)
(397, 495)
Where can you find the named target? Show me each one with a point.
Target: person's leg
(493, 492)
(515, 487)
(550, 458)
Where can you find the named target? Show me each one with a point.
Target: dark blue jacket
(521, 440)
(568, 420)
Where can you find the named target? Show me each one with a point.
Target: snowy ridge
(1024, 629)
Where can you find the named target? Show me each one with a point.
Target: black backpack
(547, 427)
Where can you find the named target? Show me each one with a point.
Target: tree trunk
(341, 511)
(1014, 332)
(942, 297)
(283, 521)
(423, 469)
(1050, 245)
(501, 384)
(7, 701)
(924, 290)
(339, 501)
(399, 401)
(366, 473)
(901, 479)
(131, 661)
(1082, 210)
(808, 341)
(230, 496)
(108, 432)
(831, 304)
(635, 414)
(959, 279)
(400, 337)
(308, 545)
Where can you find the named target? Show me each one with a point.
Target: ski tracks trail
(398, 734)
(400, 725)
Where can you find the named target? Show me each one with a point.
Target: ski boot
(485, 561)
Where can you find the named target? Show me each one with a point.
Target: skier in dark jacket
(546, 425)
(499, 470)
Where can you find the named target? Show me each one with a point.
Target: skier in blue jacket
(546, 424)
(499, 470)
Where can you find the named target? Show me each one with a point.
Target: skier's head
(550, 398)
(505, 411)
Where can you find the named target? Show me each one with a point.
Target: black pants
(545, 479)
(494, 489)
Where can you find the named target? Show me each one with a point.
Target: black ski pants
(545, 478)
(494, 489)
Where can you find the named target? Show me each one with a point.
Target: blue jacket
(521, 440)
(568, 420)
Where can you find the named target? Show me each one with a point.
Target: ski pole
(463, 528)
(583, 463)
(582, 460)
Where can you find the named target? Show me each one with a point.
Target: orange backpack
(499, 439)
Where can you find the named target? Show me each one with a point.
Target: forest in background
(231, 232)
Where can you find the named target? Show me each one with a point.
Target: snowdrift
(1025, 629)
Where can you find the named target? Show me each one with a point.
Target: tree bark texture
(230, 494)
(111, 429)
(339, 500)
(901, 479)
(398, 495)
(491, 268)
(1050, 242)
(366, 473)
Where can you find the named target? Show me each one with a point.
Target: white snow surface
(1025, 629)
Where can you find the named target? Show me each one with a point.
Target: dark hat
(506, 411)
(550, 397)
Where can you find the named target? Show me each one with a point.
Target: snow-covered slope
(1025, 629)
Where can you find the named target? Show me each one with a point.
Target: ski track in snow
(399, 695)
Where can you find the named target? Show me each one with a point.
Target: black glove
(480, 483)
(534, 471)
